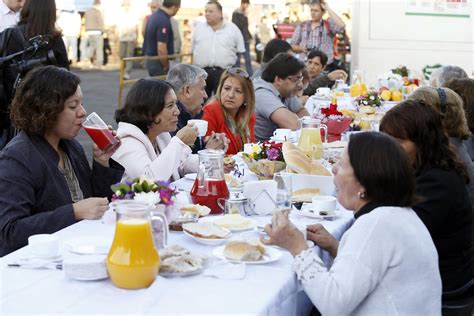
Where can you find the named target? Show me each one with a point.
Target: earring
(245, 104)
(361, 195)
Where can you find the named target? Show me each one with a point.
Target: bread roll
(244, 251)
(287, 146)
(318, 169)
(304, 195)
(367, 109)
(298, 161)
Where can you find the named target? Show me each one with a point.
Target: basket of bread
(265, 160)
(309, 177)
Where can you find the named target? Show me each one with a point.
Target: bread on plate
(239, 250)
(233, 221)
(206, 230)
(304, 195)
(201, 210)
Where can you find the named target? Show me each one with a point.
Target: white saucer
(88, 245)
(190, 176)
(307, 211)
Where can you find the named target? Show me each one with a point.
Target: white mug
(282, 133)
(44, 245)
(201, 126)
(323, 92)
(324, 203)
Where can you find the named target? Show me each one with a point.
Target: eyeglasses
(295, 79)
(238, 72)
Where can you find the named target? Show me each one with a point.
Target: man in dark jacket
(239, 18)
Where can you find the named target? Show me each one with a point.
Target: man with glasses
(276, 103)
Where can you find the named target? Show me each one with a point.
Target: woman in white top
(386, 263)
(144, 125)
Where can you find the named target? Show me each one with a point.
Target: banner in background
(444, 8)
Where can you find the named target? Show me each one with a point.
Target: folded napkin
(222, 269)
(262, 196)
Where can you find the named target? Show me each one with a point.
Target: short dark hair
(323, 58)
(245, 2)
(145, 100)
(282, 66)
(418, 122)
(273, 48)
(216, 3)
(171, 3)
(382, 167)
(40, 98)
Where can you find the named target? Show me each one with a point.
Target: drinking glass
(283, 199)
(99, 132)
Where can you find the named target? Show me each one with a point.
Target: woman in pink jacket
(144, 125)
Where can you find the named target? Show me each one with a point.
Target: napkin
(262, 196)
(222, 269)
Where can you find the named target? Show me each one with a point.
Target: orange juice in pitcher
(133, 261)
(310, 140)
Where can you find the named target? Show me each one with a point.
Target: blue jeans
(248, 60)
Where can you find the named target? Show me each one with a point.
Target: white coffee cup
(282, 133)
(323, 92)
(201, 126)
(324, 203)
(44, 245)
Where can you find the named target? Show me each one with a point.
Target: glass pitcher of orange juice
(358, 86)
(310, 140)
(133, 261)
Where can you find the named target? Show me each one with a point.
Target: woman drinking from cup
(441, 180)
(233, 110)
(144, 125)
(45, 179)
(386, 262)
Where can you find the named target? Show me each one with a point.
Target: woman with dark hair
(464, 88)
(45, 178)
(144, 125)
(386, 262)
(441, 180)
(232, 112)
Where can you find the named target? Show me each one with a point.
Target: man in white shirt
(215, 45)
(10, 13)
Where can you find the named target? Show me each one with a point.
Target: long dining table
(265, 289)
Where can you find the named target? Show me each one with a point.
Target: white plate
(251, 225)
(89, 245)
(277, 139)
(89, 279)
(180, 274)
(271, 255)
(190, 176)
(208, 241)
(307, 211)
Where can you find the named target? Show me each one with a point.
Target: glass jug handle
(325, 128)
(201, 175)
(160, 217)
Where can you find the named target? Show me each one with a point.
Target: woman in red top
(232, 111)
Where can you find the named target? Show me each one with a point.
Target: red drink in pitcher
(208, 193)
(102, 137)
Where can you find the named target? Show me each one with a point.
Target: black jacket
(446, 211)
(34, 195)
(242, 22)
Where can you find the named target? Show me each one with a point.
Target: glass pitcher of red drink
(210, 185)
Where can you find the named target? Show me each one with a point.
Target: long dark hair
(144, 101)
(418, 122)
(39, 18)
(382, 167)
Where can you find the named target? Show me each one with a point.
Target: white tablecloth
(270, 289)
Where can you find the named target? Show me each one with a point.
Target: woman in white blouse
(386, 263)
(144, 125)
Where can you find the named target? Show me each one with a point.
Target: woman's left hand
(283, 233)
(102, 157)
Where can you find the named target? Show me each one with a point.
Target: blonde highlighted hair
(241, 123)
(454, 116)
